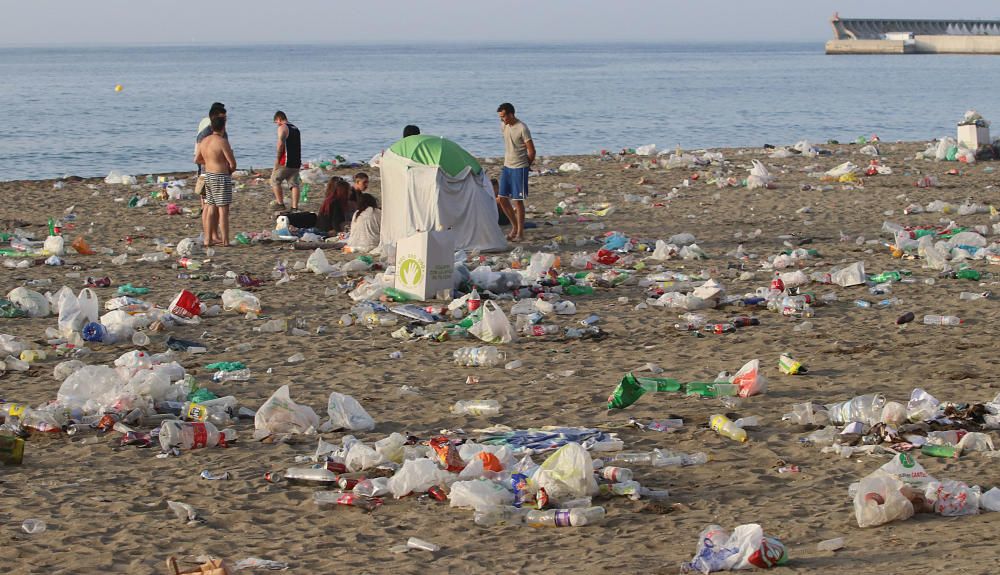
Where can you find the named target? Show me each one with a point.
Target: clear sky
(60, 22)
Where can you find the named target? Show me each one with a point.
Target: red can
(437, 493)
(347, 482)
(336, 467)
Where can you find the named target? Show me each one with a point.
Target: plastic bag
(280, 414)
(922, 406)
(391, 448)
(346, 413)
(750, 380)
(479, 494)
(417, 475)
(494, 327)
(89, 305)
(32, 302)
(953, 498)
(567, 474)
(747, 547)
(92, 389)
(317, 263)
(71, 318)
(240, 301)
(851, 275)
(360, 457)
(569, 167)
(55, 245)
(879, 500)
(907, 470)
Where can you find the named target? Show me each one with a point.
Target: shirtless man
(217, 156)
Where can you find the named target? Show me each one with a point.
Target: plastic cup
(140, 339)
(415, 543)
(33, 526)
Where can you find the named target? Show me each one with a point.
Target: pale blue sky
(60, 22)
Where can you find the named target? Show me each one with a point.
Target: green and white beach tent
(432, 183)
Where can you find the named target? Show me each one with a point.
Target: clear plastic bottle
(235, 375)
(272, 326)
(942, 320)
(541, 330)
(486, 407)
(864, 408)
(501, 514)
(220, 411)
(727, 428)
(971, 296)
(484, 356)
(617, 474)
(187, 435)
(576, 517)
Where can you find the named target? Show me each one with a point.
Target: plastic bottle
(541, 330)
(788, 365)
(659, 458)
(474, 300)
(968, 274)
(578, 290)
(862, 303)
(484, 407)
(617, 474)
(864, 408)
(186, 435)
(220, 411)
(502, 514)
(720, 328)
(272, 326)
(235, 375)
(970, 296)
(576, 517)
(726, 428)
(483, 356)
(888, 302)
(393, 294)
(941, 320)
(939, 450)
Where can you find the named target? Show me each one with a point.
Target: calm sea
(64, 117)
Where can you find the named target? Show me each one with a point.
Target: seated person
(332, 217)
(366, 225)
(360, 186)
(502, 219)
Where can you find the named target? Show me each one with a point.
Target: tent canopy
(436, 151)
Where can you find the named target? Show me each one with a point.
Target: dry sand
(105, 505)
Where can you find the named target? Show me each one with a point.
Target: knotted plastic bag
(494, 327)
(280, 414)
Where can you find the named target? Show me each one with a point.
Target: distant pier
(878, 36)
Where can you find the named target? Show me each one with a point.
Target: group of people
(344, 206)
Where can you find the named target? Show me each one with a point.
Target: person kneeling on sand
(217, 156)
(365, 225)
(332, 217)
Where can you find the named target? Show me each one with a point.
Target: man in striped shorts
(217, 156)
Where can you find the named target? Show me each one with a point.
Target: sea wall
(950, 44)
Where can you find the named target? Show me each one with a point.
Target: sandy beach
(105, 504)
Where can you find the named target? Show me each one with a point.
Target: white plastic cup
(140, 339)
(415, 543)
(33, 526)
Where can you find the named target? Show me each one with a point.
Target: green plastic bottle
(395, 295)
(939, 450)
(242, 238)
(304, 194)
(578, 290)
(968, 274)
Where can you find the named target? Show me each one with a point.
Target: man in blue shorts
(518, 155)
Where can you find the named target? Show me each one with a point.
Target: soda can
(590, 320)
(347, 482)
(273, 477)
(336, 467)
(437, 493)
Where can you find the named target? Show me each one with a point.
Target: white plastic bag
(280, 414)
(89, 305)
(851, 275)
(569, 167)
(360, 457)
(953, 498)
(92, 389)
(907, 470)
(479, 494)
(346, 413)
(647, 150)
(240, 301)
(494, 327)
(879, 501)
(567, 474)
(417, 475)
(71, 319)
(55, 245)
(318, 264)
(750, 380)
(32, 302)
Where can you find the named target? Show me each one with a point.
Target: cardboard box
(425, 263)
(973, 136)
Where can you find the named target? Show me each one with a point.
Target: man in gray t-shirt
(519, 154)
